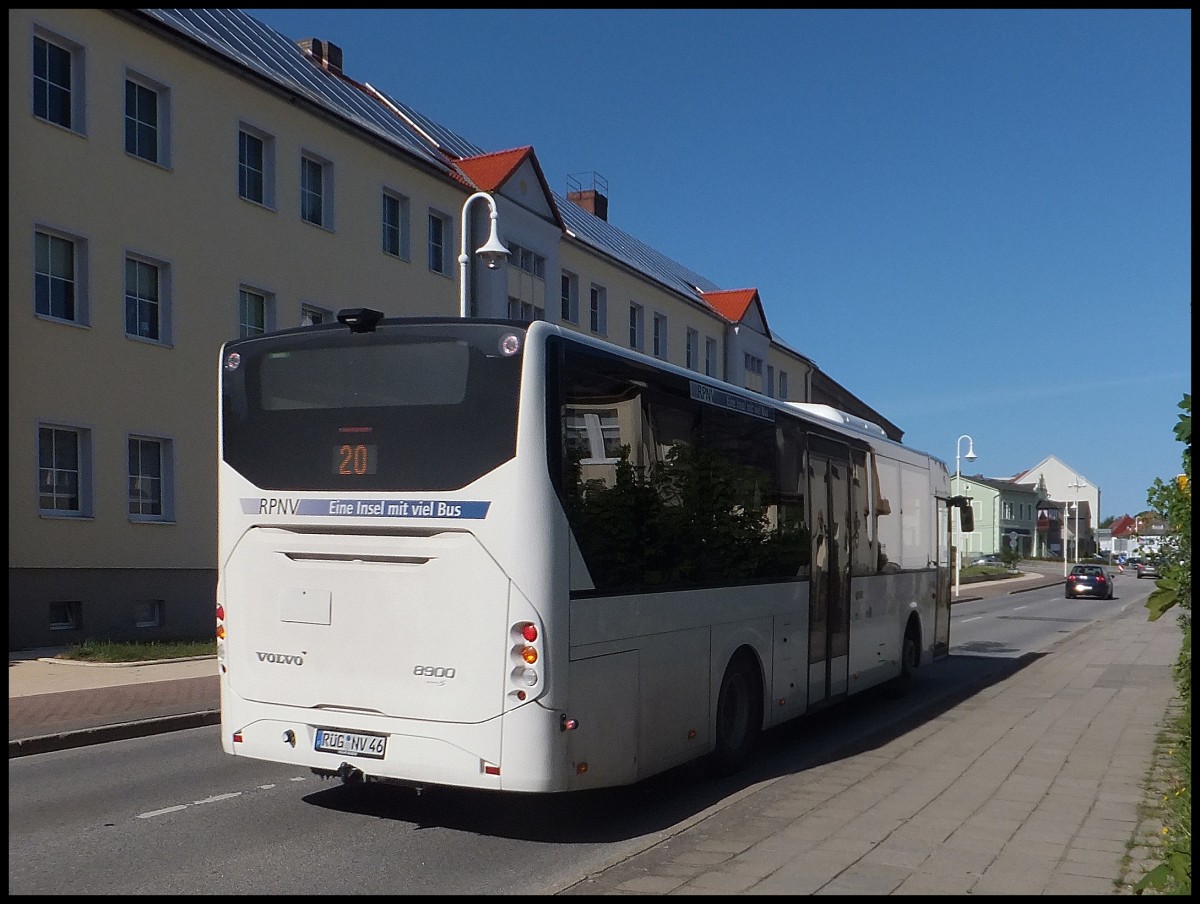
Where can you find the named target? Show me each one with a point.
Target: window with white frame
(60, 263)
(256, 312)
(530, 261)
(394, 225)
(637, 317)
(150, 478)
(753, 372)
(147, 613)
(439, 242)
(310, 315)
(710, 356)
(58, 72)
(660, 336)
(570, 297)
(147, 119)
(64, 470)
(147, 308)
(256, 166)
(783, 385)
(693, 349)
(1008, 511)
(316, 190)
(524, 310)
(598, 310)
(64, 615)
(771, 380)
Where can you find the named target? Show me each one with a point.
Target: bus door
(829, 592)
(941, 620)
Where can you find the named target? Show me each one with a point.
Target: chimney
(594, 198)
(325, 54)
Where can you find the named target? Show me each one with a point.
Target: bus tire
(739, 717)
(910, 659)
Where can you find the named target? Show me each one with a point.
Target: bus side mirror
(966, 514)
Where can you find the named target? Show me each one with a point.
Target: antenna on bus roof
(360, 320)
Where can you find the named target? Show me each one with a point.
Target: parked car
(1095, 581)
(989, 559)
(1147, 569)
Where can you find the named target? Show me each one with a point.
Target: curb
(124, 665)
(119, 732)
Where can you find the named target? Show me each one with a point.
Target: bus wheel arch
(739, 715)
(910, 656)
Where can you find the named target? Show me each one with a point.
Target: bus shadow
(856, 726)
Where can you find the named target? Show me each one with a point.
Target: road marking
(216, 798)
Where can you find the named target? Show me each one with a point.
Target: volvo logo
(280, 658)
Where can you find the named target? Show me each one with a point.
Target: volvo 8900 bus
(505, 555)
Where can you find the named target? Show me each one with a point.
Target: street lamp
(491, 252)
(970, 456)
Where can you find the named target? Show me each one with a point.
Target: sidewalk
(1031, 785)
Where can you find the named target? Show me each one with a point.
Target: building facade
(179, 178)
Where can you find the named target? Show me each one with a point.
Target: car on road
(989, 559)
(1147, 569)
(1093, 581)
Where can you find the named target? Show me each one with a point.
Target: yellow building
(178, 178)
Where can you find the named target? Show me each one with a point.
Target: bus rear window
(407, 407)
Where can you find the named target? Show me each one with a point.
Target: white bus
(504, 555)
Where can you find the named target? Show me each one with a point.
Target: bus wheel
(910, 658)
(739, 717)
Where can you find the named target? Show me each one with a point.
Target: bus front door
(829, 592)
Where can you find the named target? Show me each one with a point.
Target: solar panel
(252, 44)
(256, 46)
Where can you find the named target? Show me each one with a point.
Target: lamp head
(493, 252)
(970, 456)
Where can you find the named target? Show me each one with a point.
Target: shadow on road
(618, 814)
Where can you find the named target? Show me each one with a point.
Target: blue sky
(979, 222)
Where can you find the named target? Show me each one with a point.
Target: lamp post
(1075, 486)
(492, 252)
(970, 456)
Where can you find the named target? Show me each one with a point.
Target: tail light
(221, 635)
(525, 653)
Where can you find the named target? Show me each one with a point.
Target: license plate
(1082, 588)
(350, 743)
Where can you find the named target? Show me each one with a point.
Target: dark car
(1147, 569)
(1090, 580)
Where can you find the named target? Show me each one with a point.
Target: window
(145, 300)
(783, 385)
(439, 232)
(570, 297)
(693, 349)
(316, 189)
(529, 261)
(710, 357)
(754, 372)
(147, 613)
(146, 118)
(58, 81)
(149, 478)
(524, 310)
(65, 615)
(771, 380)
(1008, 511)
(256, 166)
(636, 327)
(311, 315)
(660, 335)
(63, 470)
(395, 225)
(598, 312)
(58, 272)
(256, 313)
